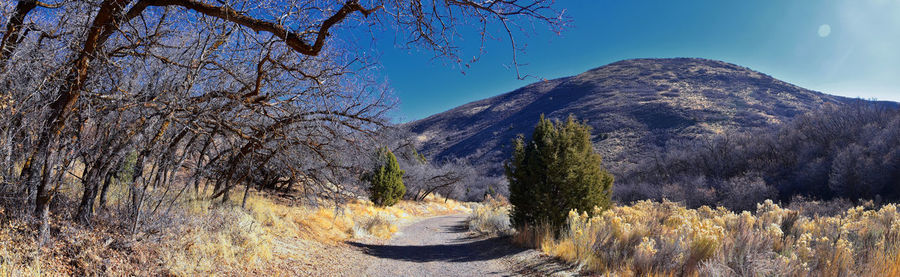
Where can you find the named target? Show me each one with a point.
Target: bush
(386, 179)
(491, 217)
(555, 172)
(744, 192)
(667, 239)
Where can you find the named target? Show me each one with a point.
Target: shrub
(490, 217)
(555, 172)
(744, 192)
(386, 179)
(379, 225)
(667, 239)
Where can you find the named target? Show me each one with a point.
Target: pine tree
(386, 179)
(555, 172)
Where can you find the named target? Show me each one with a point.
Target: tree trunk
(61, 107)
(86, 207)
(137, 193)
(44, 216)
(246, 192)
(104, 190)
(91, 183)
(13, 27)
(38, 179)
(137, 200)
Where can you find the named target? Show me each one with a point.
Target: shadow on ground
(536, 264)
(472, 251)
(458, 250)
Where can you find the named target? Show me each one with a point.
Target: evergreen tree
(555, 172)
(386, 179)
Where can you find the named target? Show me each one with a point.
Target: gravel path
(438, 246)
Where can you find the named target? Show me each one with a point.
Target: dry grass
(653, 238)
(238, 240)
(490, 217)
(203, 238)
(12, 263)
(359, 218)
(221, 239)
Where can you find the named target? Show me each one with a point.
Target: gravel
(439, 246)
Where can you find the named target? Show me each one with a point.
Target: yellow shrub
(490, 218)
(665, 238)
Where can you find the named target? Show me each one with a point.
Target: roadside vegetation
(189, 137)
(665, 238)
(649, 238)
(207, 237)
(555, 171)
(491, 217)
(386, 179)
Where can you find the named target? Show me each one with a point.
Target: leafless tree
(227, 93)
(850, 151)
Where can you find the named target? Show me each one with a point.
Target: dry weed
(665, 238)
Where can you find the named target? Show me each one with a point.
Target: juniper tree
(386, 179)
(555, 172)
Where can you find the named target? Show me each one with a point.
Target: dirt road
(438, 246)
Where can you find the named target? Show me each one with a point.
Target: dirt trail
(438, 246)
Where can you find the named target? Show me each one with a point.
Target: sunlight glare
(824, 30)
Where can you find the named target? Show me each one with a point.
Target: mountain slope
(633, 106)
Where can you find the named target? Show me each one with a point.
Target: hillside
(633, 106)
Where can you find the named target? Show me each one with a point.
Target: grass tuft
(665, 238)
(491, 217)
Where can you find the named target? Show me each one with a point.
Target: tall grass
(202, 237)
(247, 238)
(665, 238)
(491, 217)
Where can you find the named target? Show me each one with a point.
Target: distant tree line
(455, 178)
(848, 151)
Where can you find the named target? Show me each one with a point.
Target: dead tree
(212, 89)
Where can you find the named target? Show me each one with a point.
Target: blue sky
(842, 47)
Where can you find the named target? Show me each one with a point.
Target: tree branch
(292, 39)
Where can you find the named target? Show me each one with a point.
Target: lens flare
(824, 30)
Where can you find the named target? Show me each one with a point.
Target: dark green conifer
(554, 172)
(386, 180)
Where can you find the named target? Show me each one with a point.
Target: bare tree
(228, 93)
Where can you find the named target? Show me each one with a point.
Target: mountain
(635, 106)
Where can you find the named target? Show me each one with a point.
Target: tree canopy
(386, 180)
(554, 172)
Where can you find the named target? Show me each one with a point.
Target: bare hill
(634, 107)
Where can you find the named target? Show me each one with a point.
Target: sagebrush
(665, 238)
